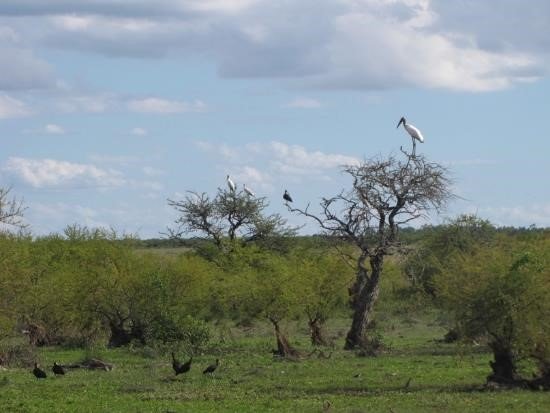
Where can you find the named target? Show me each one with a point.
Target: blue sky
(109, 107)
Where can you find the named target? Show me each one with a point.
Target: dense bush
(91, 286)
(440, 244)
(502, 292)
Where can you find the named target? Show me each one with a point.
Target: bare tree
(229, 216)
(385, 194)
(11, 209)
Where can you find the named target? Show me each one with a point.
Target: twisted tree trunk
(317, 333)
(363, 305)
(119, 334)
(504, 366)
(284, 349)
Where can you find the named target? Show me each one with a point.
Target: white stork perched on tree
(249, 191)
(413, 131)
(231, 184)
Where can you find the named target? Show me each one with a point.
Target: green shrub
(16, 352)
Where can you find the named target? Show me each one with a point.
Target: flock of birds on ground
(177, 366)
(412, 130)
(180, 368)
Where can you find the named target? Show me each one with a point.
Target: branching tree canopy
(463, 235)
(229, 216)
(11, 209)
(385, 194)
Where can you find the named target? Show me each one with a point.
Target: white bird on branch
(413, 131)
(231, 184)
(249, 191)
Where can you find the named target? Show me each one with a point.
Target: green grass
(444, 378)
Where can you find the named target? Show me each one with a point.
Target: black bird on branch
(58, 370)
(38, 372)
(211, 368)
(287, 197)
(181, 368)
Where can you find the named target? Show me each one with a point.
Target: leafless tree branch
(11, 210)
(386, 193)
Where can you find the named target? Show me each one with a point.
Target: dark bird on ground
(408, 383)
(211, 368)
(287, 197)
(58, 370)
(181, 368)
(38, 372)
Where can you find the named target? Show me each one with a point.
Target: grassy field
(443, 378)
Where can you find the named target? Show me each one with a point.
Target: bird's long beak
(400, 122)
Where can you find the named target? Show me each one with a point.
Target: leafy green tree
(502, 292)
(429, 258)
(257, 283)
(14, 280)
(322, 278)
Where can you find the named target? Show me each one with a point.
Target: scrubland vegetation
(88, 293)
(370, 315)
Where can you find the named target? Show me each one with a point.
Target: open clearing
(443, 378)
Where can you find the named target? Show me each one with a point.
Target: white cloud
(260, 163)
(71, 102)
(150, 171)
(226, 151)
(139, 131)
(12, 108)
(303, 103)
(42, 173)
(66, 98)
(221, 6)
(252, 177)
(164, 106)
(21, 69)
(517, 215)
(53, 129)
(356, 44)
(81, 23)
(114, 159)
(399, 53)
(295, 159)
(151, 185)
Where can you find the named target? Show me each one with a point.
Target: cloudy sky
(109, 107)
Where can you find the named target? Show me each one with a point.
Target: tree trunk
(317, 332)
(284, 349)
(360, 281)
(137, 332)
(364, 303)
(504, 369)
(119, 335)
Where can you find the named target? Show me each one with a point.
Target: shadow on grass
(373, 391)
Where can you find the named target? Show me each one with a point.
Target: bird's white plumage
(248, 190)
(231, 184)
(414, 132)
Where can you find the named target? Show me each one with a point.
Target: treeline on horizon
(407, 234)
